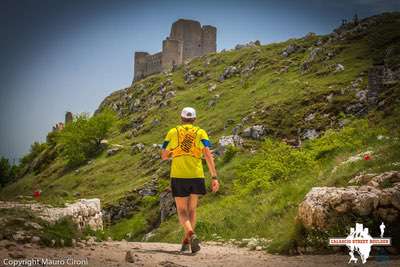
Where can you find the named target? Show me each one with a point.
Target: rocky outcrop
(229, 72)
(290, 49)
(167, 205)
(256, 132)
(377, 196)
(85, 212)
(248, 45)
(125, 207)
(114, 150)
(230, 140)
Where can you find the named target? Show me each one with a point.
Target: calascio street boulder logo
(360, 241)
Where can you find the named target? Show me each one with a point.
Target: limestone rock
(256, 132)
(290, 49)
(212, 87)
(114, 150)
(85, 212)
(362, 95)
(310, 134)
(167, 205)
(137, 148)
(323, 205)
(170, 94)
(339, 68)
(148, 191)
(230, 140)
(228, 72)
(248, 45)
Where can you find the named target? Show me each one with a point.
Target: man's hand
(214, 185)
(165, 154)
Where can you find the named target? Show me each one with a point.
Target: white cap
(188, 113)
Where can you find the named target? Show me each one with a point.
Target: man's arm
(210, 161)
(211, 167)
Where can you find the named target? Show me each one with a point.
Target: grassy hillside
(311, 88)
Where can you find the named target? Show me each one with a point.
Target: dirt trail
(162, 254)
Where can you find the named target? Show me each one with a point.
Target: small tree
(81, 139)
(7, 171)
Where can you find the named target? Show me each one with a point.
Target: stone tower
(68, 117)
(187, 39)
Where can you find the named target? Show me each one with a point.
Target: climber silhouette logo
(359, 240)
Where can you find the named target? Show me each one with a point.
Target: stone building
(68, 117)
(187, 39)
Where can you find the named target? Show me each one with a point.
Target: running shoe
(194, 243)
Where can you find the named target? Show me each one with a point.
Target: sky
(59, 56)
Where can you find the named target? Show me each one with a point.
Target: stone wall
(147, 64)
(85, 212)
(172, 53)
(190, 33)
(209, 39)
(187, 39)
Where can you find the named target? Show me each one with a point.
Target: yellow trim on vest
(187, 143)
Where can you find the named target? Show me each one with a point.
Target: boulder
(339, 68)
(189, 77)
(322, 206)
(148, 191)
(310, 134)
(212, 87)
(230, 140)
(228, 72)
(112, 151)
(256, 132)
(290, 49)
(170, 94)
(310, 117)
(137, 148)
(362, 95)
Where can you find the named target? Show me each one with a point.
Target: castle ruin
(188, 39)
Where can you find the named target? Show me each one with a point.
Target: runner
(186, 144)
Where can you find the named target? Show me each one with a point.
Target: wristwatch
(214, 178)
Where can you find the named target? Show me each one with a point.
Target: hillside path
(162, 254)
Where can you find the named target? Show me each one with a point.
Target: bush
(230, 153)
(64, 229)
(356, 136)
(80, 139)
(275, 162)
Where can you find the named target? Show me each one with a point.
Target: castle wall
(140, 65)
(153, 63)
(171, 53)
(190, 33)
(187, 40)
(209, 39)
(146, 64)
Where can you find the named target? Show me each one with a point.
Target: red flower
(367, 157)
(36, 194)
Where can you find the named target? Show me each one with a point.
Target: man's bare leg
(182, 204)
(192, 205)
